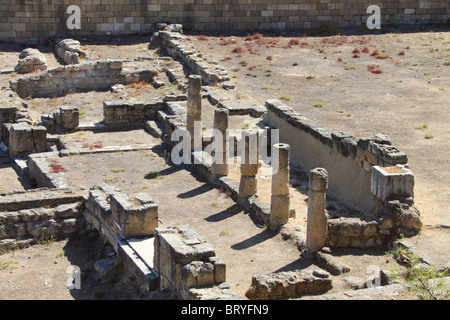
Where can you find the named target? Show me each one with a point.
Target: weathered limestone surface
(194, 111)
(288, 284)
(25, 226)
(249, 163)
(8, 113)
(69, 51)
(25, 139)
(130, 114)
(316, 233)
(114, 214)
(31, 60)
(348, 160)
(220, 166)
(185, 260)
(81, 77)
(280, 200)
(66, 118)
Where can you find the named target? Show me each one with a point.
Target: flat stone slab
(143, 248)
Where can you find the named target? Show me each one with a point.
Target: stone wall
(22, 227)
(115, 215)
(347, 159)
(185, 260)
(85, 76)
(36, 19)
(129, 114)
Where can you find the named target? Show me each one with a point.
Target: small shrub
(318, 105)
(429, 136)
(238, 50)
(269, 58)
(356, 56)
(365, 50)
(447, 63)
(401, 53)
(286, 98)
(295, 64)
(377, 71)
(151, 175)
(138, 85)
(356, 51)
(202, 38)
(294, 42)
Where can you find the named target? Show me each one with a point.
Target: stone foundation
(288, 284)
(33, 19)
(184, 260)
(86, 76)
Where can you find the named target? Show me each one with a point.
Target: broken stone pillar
(249, 163)
(194, 110)
(280, 201)
(317, 220)
(219, 166)
(184, 260)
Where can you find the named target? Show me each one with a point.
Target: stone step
(39, 198)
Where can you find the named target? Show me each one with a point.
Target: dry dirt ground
(317, 76)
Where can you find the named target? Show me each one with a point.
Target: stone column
(194, 109)
(221, 116)
(317, 220)
(249, 169)
(280, 201)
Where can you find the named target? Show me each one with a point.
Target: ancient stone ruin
(368, 177)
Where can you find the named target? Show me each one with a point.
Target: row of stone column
(280, 198)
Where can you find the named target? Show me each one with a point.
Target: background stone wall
(24, 20)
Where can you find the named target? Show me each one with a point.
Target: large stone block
(21, 138)
(8, 113)
(133, 219)
(391, 182)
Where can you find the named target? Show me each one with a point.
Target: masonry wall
(348, 160)
(23, 20)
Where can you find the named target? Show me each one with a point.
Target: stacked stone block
(249, 163)
(29, 225)
(25, 139)
(66, 118)
(130, 114)
(185, 260)
(115, 215)
(220, 166)
(280, 199)
(69, 51)
(34, 19)
(316, 233)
